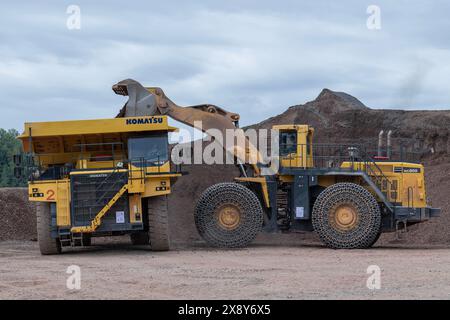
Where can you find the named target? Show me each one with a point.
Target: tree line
(9, 146)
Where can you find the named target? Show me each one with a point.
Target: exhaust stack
(389, 145)
(380, 143)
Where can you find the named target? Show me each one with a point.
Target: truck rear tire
(347, 216)
(158, 223)
(47, 244)
(228, 215)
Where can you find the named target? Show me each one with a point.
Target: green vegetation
(9, 146)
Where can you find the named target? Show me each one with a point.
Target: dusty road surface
(263, 271)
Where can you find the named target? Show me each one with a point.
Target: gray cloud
(251, 57)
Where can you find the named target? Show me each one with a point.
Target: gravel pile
(18, 219)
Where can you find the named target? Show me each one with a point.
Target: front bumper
(416, 214)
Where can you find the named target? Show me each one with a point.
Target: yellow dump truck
(99, 178)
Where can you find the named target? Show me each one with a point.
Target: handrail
(115, 170)
(380, 172)
(325, 154)
(103, 196)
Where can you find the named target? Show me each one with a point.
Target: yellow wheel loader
(341, 191)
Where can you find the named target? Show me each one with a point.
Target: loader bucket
(141, 102)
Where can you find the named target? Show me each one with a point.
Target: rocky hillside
(340, 117)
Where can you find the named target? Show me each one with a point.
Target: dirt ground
(266, 270)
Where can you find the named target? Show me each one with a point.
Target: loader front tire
(158, 223)
(228, 215)
(47, 244)
(347, 216)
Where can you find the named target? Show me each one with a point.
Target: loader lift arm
(148, 101)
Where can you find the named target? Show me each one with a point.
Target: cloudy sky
(251, 57)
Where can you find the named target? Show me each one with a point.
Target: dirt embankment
(437, 230)
(329, 113)
(18, 219)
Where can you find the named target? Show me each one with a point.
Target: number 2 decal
(50, 195)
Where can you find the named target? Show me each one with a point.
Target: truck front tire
(158, 223)
(47, 244)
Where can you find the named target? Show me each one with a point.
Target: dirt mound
(187, 190)
(437, 230)
(18, 219)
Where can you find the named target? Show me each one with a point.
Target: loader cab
(295, 145)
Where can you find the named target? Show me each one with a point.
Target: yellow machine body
(94, 147)
(401, 183)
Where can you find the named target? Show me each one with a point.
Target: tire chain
(369, 224)
(223, 194)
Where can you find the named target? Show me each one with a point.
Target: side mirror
(18, 172)
(17, 159)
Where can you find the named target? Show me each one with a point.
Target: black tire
(47, 244)
(346, 215)
(233, 200)
(139, 238)
(376, 239)
(158, 223)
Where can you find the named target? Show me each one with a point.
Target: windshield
(288, 143)
(151, 149)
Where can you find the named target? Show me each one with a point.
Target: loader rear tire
(139, 238)
(47, 244)
(347, 216)
(158, 223)
(228, 215)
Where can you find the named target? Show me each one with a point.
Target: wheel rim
(229, 217)
(344, 217)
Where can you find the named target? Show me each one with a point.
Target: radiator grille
(91, 192)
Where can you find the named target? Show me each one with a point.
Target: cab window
(288, 143)
(153, 150)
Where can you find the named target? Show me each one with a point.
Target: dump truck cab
(100, 177)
